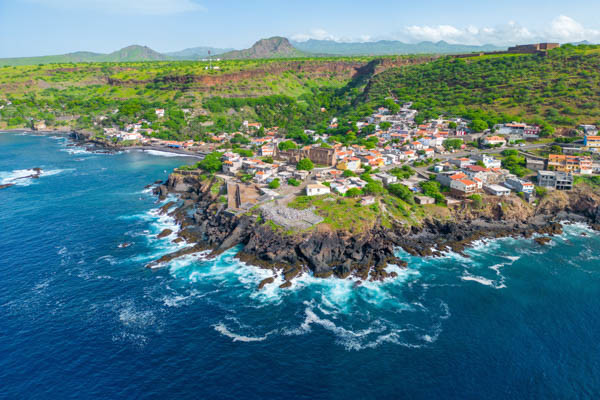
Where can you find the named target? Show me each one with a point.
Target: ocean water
(82, 318)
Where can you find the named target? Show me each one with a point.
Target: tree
(240, 139)
(402, 192)
(477, 200)
(293, 182)
(274, 184)
(305, 165)
(287, 145)
(478, 125)
(212, 162)
(385, 125)
(348, 174)
(243, 152)
(353, 192)
(515, 164)
(554, 149)
(453, 144)
(540, 191)
(374, 187)
(432, 189)
(452, 125)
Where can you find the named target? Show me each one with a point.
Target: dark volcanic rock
(285, 285)
(542, 240)
(6, 185)
(164, 233)
(327, 252)
(265, 282)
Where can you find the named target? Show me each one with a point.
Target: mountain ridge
(388, 47)
(273, 47)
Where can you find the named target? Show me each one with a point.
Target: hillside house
(316, 189)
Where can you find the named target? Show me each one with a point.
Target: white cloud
(566, 29)
(317, 34)
(562, 29)
(322, 34)
(147, 7)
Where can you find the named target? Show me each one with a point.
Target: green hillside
(127, 54)
(561, 89)
(557, 91)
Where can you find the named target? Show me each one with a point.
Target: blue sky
(43, 27)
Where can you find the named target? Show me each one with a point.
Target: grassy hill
(561, 89)
(127, 54)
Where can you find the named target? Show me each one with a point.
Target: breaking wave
(24, 177)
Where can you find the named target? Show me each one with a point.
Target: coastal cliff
(207, 223)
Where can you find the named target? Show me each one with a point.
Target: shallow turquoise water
(82, 318)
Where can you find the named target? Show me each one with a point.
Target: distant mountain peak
(273, 47)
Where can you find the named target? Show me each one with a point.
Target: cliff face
(328, 252)
(344, 69)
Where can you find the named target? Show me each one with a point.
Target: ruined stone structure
(318, 155)
(533, 48)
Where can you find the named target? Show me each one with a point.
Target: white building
(497, 190)
(488, 161)
(316, 189)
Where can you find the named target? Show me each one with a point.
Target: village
(398, 151)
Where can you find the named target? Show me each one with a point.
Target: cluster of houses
(394, 139)
(467, 176)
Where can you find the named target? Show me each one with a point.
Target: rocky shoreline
(207, 225)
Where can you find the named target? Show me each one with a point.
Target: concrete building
(519, 185)
(555, 180)
(424, 200)
(535, 165)
(496, 190)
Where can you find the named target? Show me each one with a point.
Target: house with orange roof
(463, 187)
(493, 141)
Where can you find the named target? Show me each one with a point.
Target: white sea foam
(18, 177)
(75, 150)
(131, 317)
(483, 281)
(164, 153)
(223, 330)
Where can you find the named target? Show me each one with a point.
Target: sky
(46, 27)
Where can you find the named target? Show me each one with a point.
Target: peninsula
(328, 165)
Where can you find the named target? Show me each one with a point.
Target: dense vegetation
(560, 89)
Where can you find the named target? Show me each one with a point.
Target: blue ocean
(82, 318)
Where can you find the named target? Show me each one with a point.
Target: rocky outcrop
(327, 252)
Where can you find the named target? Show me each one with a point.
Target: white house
(497, 190)
(494, 140)
(160, 112)
(488, 161)
(463, 186)
(316, 189)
